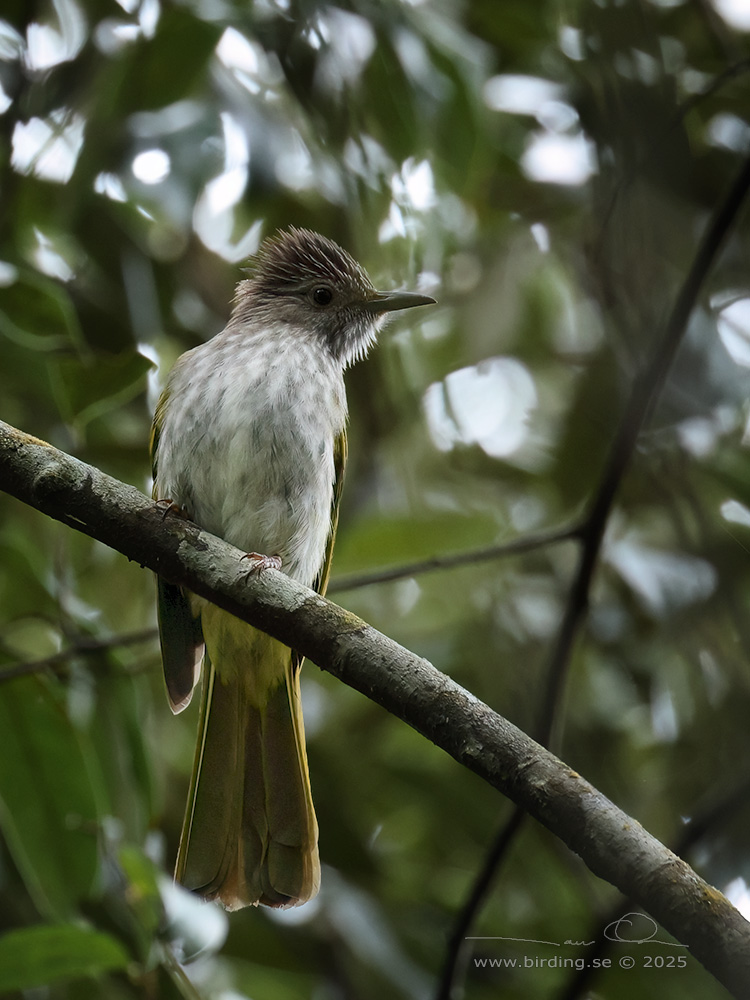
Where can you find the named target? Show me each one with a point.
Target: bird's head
(307, 282)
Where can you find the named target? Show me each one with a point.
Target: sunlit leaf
(142, 892)
(42, 955)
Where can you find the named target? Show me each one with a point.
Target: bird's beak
(381, 302)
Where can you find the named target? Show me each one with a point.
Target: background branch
(515, 547)
(84, 646)
(614, 846)
(590, 532)
(640, 404)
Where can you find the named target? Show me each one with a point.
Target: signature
(624, 926)
(630, 928)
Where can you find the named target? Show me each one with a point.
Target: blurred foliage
(546, 170)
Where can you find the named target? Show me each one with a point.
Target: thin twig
(84, 647)
(513, 548)
(179, 977)
(457, 952)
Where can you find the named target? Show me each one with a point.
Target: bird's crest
(297, 256)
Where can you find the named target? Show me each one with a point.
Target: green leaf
(37, 956)
(37, 313)
(161, 79)
(85, 389)
(143, 889)
(48, 811)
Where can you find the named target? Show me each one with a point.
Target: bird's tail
(250, 834)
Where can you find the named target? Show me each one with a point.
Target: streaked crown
(291, 259)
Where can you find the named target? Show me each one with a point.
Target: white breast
(246, 444)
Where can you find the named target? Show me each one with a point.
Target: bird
(249, 442)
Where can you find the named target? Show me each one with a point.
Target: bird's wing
(153, 444)
(340, 452)
(181, 640)
(179, 629)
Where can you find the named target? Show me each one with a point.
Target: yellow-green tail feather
(250, 833)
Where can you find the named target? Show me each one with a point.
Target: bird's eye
(322, 296)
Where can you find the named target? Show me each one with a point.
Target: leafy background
(546, 170)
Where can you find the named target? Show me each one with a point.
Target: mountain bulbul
(249, 441)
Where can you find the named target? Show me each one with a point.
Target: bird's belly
(261, 480)
(281, 504)
(268, 496)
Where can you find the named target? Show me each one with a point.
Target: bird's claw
(260, 563)
(172, 508)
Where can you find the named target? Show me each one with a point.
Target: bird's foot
(260, 563)
(172, 508)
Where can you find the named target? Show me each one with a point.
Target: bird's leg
(260, 563)
(172, 508)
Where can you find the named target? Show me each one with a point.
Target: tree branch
(706, 816)
(614, 846)
(639, 406)
(84, 646)
(457, 952)
(590, 531)
(515, 547)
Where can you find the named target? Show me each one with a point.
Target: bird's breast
(247, 445)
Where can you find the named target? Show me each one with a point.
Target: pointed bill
(381, 302)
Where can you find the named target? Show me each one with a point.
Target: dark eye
(322, 296)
